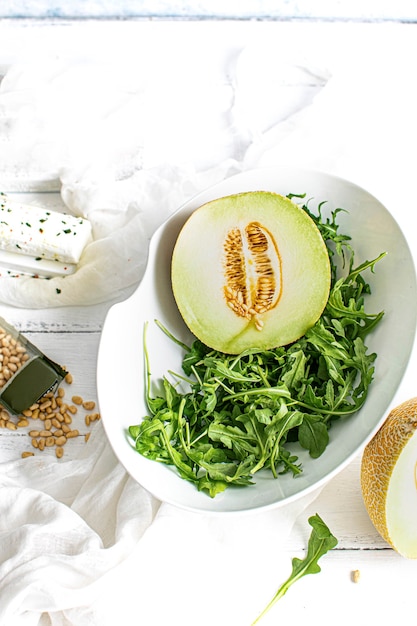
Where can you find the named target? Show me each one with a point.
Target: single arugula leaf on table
(320, 542)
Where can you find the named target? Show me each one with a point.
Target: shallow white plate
(121, 374)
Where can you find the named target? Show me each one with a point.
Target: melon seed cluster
(51, 420)
(249, 293)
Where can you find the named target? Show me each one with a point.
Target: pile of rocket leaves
(248, 412)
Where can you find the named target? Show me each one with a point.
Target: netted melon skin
(379, 459)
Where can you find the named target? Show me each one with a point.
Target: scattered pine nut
(55, 415)
(355, 575)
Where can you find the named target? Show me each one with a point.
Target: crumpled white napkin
(113, 140)
(81, 543)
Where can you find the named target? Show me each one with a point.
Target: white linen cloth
(81, 543)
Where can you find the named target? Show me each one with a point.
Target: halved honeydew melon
(250, 270)
(389, 479)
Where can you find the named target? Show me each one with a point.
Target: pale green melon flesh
(401, 501)
(198, 274)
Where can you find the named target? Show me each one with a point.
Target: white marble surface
(237, 9)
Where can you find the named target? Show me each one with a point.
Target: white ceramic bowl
(121, 376)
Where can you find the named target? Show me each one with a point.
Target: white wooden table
(71, 336)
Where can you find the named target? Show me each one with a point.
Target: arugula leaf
(248, 412)
(320, 542)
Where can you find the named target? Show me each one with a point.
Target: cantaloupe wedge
(389, 479)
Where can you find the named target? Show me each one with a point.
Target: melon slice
(389, 479)
(250, 270)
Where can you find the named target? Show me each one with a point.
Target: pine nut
(23, 422)
(59, 451)
(35, 443)
(11, 425)
(72, 409)
(68, 378)
(61, 441)
(50, 441)
(41, 444)
(77, 399)
(26, 454)
(89, 405)
(45, 433)
(72, 433)
(34, 433)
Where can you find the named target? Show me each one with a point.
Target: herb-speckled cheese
(30, 230)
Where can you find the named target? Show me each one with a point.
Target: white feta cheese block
(12, 264)
(42, 233)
